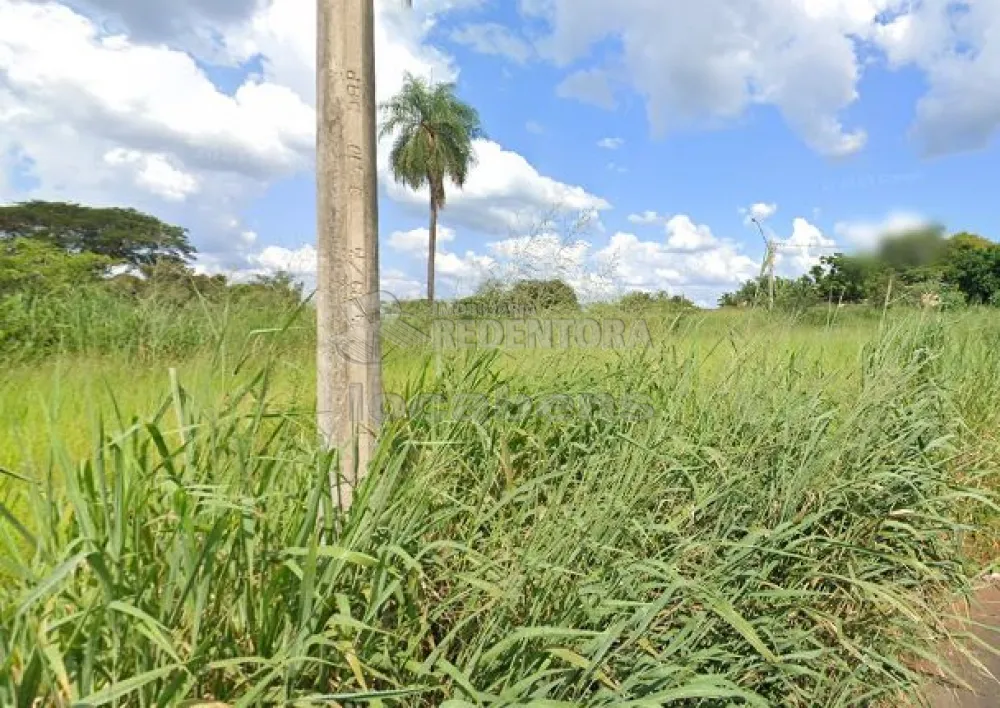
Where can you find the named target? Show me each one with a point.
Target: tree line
(920, 267)
(49, 248)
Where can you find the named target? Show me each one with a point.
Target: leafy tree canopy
(524, 296)
(32, 266)
(123, 236)
(640, 300)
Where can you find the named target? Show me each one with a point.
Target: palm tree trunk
(348, 366)
(432, 248)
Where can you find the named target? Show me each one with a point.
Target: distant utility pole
(348, 364)
(767, 265)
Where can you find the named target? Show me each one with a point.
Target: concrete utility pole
(348, 366)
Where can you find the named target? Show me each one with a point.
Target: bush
(639, 302)
(30, 266)
(524, 298)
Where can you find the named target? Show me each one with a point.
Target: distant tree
(32, 266)
(544, 295)
(123, 236)
(433, 132)
(279, 288)
(964, 241)
(493, 298)
(976, 272)
(789, 293)
(849, 279)
(639, 301)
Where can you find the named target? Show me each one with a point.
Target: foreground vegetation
(785, 520)
(785, 528)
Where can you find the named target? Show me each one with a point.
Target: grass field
(784, 529)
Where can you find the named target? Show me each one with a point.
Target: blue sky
(838, 125)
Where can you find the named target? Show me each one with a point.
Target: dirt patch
(985, 688)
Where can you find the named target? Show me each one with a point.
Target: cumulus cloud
(153, 131)
(160, 20)
(957, 45)
(684, 235)
(706, 62)
(656, 265)
(610, 143)
(155, 173)
(108, 120)
(298, 261)
(689, 259)
(416, 241)
(646, 217)
(70, 81)
(502, 191)
(591, 86)
(495, 39)
(709, 61)
(803, 249)
(869, 233)
(761, 211)
(503, 194)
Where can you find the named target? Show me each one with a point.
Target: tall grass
(98, 321)
(777, 533)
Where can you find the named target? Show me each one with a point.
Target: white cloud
(690, 260)
(551, 255)
(300, 261)
(684, 235)
(610, 143)
(245, 265)
(63, 73)
(957, 44)
(869, 233)
(155, 173)
(173, 19)
(803, 249)
(707, 62)
(415, 241)
(400, 284)
(761, 211)
(155, 132)
(589, 86)
(104, 119)
(503, 191)
(495, 39)
(646, 217)
(503, 194)
(657, 265)
(463, 273)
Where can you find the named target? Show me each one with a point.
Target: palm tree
(434, 132)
